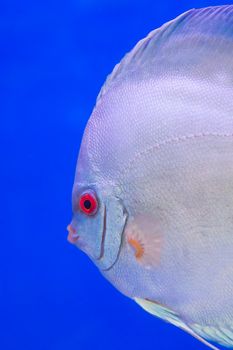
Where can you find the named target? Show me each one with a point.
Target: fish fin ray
(170, 316)
(222, 335)
(143, 234)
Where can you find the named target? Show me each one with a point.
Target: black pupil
(87, 204)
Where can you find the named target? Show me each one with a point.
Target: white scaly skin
(159, 145)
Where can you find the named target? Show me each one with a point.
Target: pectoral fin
(171, 317)
(144, 237)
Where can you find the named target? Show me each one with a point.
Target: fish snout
(72, 234)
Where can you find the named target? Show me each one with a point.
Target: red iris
(88, 203)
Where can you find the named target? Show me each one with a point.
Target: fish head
(99, 215)
(108, 200)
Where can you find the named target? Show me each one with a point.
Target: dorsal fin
(196, 35)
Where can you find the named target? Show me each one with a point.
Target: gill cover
(115, 219)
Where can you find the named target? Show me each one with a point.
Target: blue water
(54, 57)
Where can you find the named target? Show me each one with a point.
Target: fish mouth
(72, 234)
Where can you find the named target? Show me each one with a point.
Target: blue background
(54, 57)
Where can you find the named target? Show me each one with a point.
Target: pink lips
(72, 236)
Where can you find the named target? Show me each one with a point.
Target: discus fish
(153, 191)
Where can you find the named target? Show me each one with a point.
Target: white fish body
(158, 153)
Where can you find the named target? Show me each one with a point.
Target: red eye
(88, 203)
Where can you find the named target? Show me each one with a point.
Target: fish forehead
(137, 115)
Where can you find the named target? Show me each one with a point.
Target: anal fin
(170, 316)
